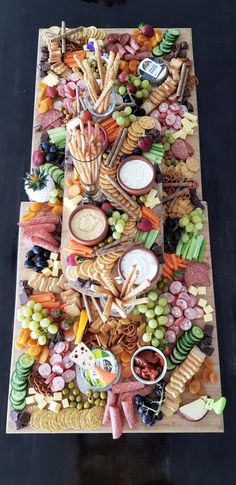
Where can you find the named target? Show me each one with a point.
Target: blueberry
(41, 265)
(29, 263)
(39, 258)
(46, 254)
(124, 156)
(37, 250)
(146, 418)
(151, 422)
(141, 410)
(30, 254)
(37, 269)
(53, 149)
(138, 400)
(141, 112)
(137, 151)
(46, 145)
(60, 157)
(50, 157)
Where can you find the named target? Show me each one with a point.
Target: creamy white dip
(88, 224)
(136, 174)
(145, 261)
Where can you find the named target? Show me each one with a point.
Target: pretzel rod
(121, 191)
(82, 166)
(117, 202)
(63, 41)
(79, 63)
(108, 305)
(105, 93)
(66, 34)
(99, 310)
(113, 244)
(138, 301)
(183, 85)
(182, 75)
(115, 144)
(119, 145)
(119, 303)
(99, 63)
(90, 75)
(129, 276)
(87, 308)
(178, 193)
(131, 282)
(79, 73)
(77, 99)
(118, 309)
(109, 65)
(139, 289)
(113, 74)
(102, 291)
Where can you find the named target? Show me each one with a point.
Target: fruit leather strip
(111, 401)
(125, 396)
(127, 386)
(128, 409)
(50, 219)
(38, 241)
(116, 422)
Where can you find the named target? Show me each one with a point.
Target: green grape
(195, 219)
(147, 337)
(158, 310)
(37, 307)
(155, 342)
(111, 221)
(137, 82)
(142, 199)
(145, 93)
(53, 329)
(152, 323)
(54, 193)
(30, 304)
(139, 94)
(166, 146)
(199, 226)
(45, 312)
(34, 335)
(132, 118)
(135, 311)
(150, 314)
(115, 115)
(42, 340)
(53, 200)
(184, 221)
(44, 323)
(25, 323)
(159, 333)
(110, 239)
(116, 83)
(189, 227)
(152, 295)
(122, 113)
(125, 217)
(113, 228)
(145, 84)
(116, 215)
(162, 302)
(199, 211)
(120, 121)
(27, 312)
(142, 308)
(127, 122)
(162, 320)
(61, 193)
(128, 110)
(119, 228)
(151, 304)
(37, 316)
(166, 309)
(184, 237)
(116, 235)
(149, 329)
(122, 90)
(33, 326)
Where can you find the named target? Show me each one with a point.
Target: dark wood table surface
(139, 459)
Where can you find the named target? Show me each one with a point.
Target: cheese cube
(42, 404)
(201, 290)
(190, 116)
(31, 390)
(208, 309)
(65, 403)
(38, 397)
(57, 264)
(54, 407)
(179, 134)
(188, 125)
(50, 263)
(193, 290)
(72, 310)
(208, 317)
(53, 256)
(30, 400)
(46, 272)
(202, 302)
(48, 399)
(57, 396)
(55, 271)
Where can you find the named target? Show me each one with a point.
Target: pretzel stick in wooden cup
(122, 132)
(99, 62)
(98, 105)
(107, 308)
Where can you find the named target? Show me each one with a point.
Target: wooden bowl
(95, 240)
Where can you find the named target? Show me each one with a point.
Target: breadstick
(118, 309)
(105, 93)
(139, 289)
(138, 301)
(99, 289)
(132, 282)
(128, 278)
(86, 304)
(108, 305)
(99, 310)
(90, 75)
(99, 63)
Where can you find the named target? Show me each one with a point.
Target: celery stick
(198, 246)
(179, 248)
(201, 253)
(184, 254)
(192, 248)
(151, 238)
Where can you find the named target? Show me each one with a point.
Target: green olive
(73, 404)
(71, 397)
(78, 398)
(103, 395)
(91, 400)
(89, 393)
(86, 405)
(97, 402)
(65, 391)
(75, 391)
(71, 385)
(102, 403)
(79, 406)
(96, 394)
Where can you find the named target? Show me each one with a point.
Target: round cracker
(71, 273)
(192, 164)
(147, 123)
(186, 172)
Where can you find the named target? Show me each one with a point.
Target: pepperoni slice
(186, 324)
(170, 119)
(44, 370)
(55, 359)
(68, 375)
(59, 347)
(170, 336)
(176, 312)
(58, 368)
(57, 384)
(163, 107)
(176, 287)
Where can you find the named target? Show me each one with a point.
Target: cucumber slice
(16, 380)
(17, 387)
(196, 332)
(21, 374)
(18, 406)
(25, 361)
(186, 343)
(181, 348)
(18, 396)
(170, 365)
(178, 355)
(156, 51)
(174, 360)
(174, 32)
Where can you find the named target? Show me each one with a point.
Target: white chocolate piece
(202, 302)
(201, 290)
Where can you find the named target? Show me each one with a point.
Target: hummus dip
(146, 262)
(88, 224)
(136, 174)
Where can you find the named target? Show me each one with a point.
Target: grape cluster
(191, 223)
(134, 85)
(37, 319)
(149, 407)
(155, 311)
(55, 195)
(125, 117)
(117, 224)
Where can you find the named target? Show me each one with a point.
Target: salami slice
(170, 336)
(58, 368)
(170, 321)
(116, 423)
(181, 303)
(68, 363)
(59, 347)
(125, 396)
(111, 401)
(57, 384)
(179, 149)
(170, 119)
(124, 39)
(196, 274)
(176, 312)
(44, 370)
(186, 324)
(127, 386)
(40, 220)
(128, 409)
(175, 287)
(68, 375)
(55, 359)
(171, 299)
(191, 313)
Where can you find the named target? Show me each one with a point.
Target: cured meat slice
(127, 387)
(180, 150)
(169, 297)
(190, 149)
(197, 274)
(176, 312)
(111, 401)
(128, 409)
(125, 396)
(38, 241)
(44, 370)
(170, 336)
(40, 220)
(116, 423)
(68, 375)
(46, 119)
(57, 384)
(58, 368)
(34, 227)
(40, 232)
(124, 39)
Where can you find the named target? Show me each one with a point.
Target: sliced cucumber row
(183, 346)
(55, 172)
(19, 382)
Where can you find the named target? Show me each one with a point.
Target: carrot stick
(167, 270)
(166, 275)
(74, 245)
(168, 261)
(174, 261)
